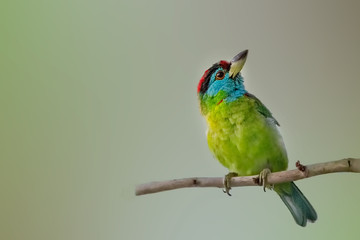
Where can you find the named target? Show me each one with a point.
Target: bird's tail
(296, 202)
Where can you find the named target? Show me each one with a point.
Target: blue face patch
(234, 88)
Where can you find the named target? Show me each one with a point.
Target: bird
(243, 135)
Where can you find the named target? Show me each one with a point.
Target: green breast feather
(243, 135)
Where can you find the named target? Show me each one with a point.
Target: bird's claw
(263, 179)
(227, 182)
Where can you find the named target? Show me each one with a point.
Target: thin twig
(344, 165)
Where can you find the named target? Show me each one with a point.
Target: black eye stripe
(205, 84)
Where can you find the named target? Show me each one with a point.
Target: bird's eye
(220, 75)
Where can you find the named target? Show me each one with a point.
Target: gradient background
(99, 96)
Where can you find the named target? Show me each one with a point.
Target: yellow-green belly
(243, 140)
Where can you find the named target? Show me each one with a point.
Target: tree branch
(344, 165)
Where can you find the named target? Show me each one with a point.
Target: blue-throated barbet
(243, 135)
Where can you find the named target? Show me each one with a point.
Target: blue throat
(233, 87)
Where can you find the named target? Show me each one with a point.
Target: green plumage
(242, 138)
(242, 133)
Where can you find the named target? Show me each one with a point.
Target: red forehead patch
(224, 64)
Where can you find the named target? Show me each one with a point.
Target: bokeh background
(99, 96)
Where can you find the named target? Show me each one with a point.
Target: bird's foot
(263, 179)
(227, 182)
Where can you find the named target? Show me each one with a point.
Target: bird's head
(222, 82)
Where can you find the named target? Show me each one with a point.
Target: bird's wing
(261, 108)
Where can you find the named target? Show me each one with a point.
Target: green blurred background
(99, 96)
